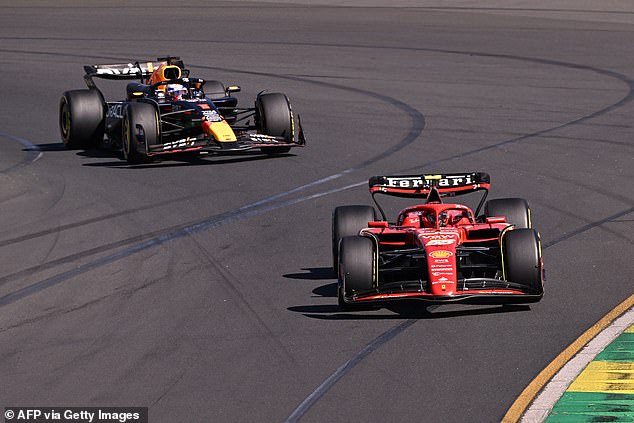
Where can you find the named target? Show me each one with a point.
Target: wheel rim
(65, 120)
(126, 138)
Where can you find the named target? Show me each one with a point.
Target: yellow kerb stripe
(530, 392)
(607, 377)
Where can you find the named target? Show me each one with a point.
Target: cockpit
(433, 217)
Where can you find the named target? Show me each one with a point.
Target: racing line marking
(250, 210)
(382, 339)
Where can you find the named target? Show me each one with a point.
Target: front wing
(244, 142)
(207, 144)
(484, 291)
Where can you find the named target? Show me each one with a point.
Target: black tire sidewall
(275, 118)
(138, 113)
(348, 221)
(515, 210)
(215, 89)
(356, 255)
(82, 118)
(521, 255)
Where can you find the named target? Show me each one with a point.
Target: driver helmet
(443, 218)
(175, 91)
(429, 220)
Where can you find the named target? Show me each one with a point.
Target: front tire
(275, 118)
(140, 129)
(215, 89)
(516, 211)
(348, 221)
(356, 269)
(521, 254)
(82, 118)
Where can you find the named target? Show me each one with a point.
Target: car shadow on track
(318, 273)
(178, 160)
(402, 310)
(314, 273)
(399, 312)
(185, 159)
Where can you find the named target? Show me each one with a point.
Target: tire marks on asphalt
(143, 242)
(271, 203)
(325, 386)
(33, 152)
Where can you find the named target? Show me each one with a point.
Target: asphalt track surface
(202, 289)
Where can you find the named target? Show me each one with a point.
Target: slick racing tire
(215, 89)
(356, 255)
(515, 210)
(521, 255)
(226, 104)
(275, 118)
(82, 118)
(140, 129)
(348, 221)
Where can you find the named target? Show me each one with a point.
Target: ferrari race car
(167, 112)
(437, 252)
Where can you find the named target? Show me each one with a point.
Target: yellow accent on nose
(221, 131)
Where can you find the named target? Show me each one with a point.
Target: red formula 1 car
(437, 252)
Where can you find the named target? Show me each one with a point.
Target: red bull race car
(438, 252)
(167, 112)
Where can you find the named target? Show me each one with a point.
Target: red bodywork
(439, 240)
(439, 252)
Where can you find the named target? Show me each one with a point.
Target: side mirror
(496, 219)
(135, 94)
(233, 89)
(379, 224)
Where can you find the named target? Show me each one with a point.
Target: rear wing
(447, 184)
(124, 71)
(431, 186)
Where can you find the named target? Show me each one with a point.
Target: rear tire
(82, 118)
(522, 259)
(515, 210)
(140, 128)
(275, 118)
(356, 270)
(348, 221)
